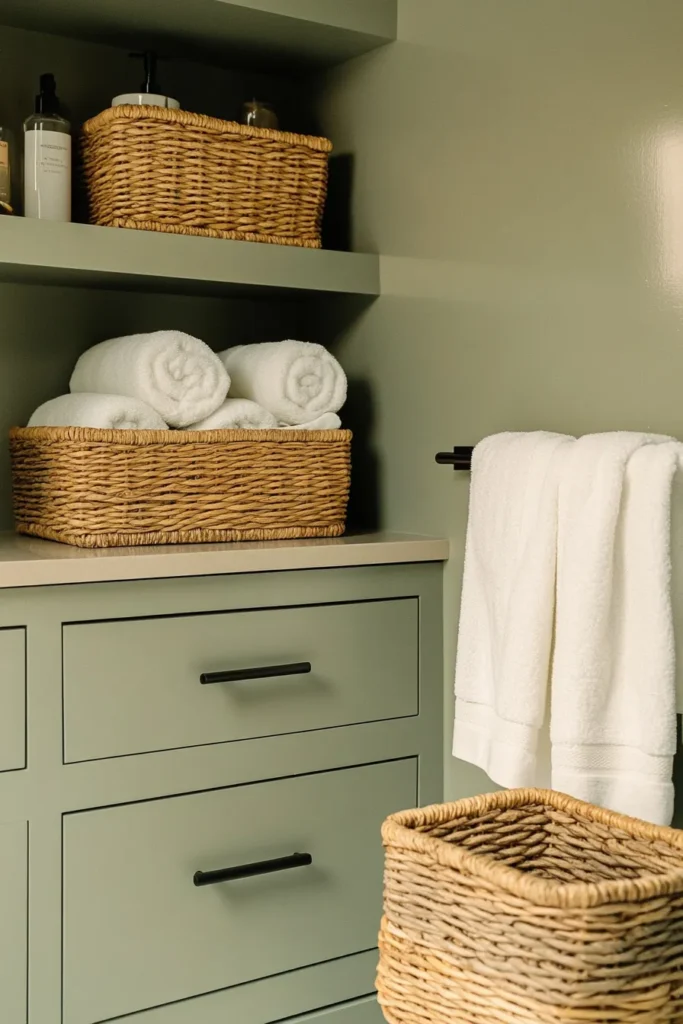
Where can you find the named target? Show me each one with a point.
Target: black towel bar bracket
(459, 458)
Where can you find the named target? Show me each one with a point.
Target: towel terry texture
(506, 616)
(176, 374)
(237, 414)
(295, 380)
(111, 412)
(613, 724)
(328, 421)
(570, 541)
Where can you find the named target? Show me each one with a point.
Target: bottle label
(4, 173)
(47, 175)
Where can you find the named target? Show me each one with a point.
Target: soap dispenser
(149, 95)
(47, 157)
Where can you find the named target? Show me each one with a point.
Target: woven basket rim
(399, 830)
(132, 112)
(146, 437)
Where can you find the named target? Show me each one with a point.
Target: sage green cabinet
(136, 775)
(138, 933)
(360, 1011)
(13, 921)
(12, 699)
(133, 685)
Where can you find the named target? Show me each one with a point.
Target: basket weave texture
(111, 488)
(530, 907)
(172, 170)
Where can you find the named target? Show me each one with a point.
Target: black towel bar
(459, 458)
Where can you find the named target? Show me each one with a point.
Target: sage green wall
(519, 164)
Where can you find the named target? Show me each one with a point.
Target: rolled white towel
(176, 374)
(328, 421)
(295, 380)
(112, 412)
(237, 414)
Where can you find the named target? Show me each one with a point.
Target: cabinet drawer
(134, 685)
(360, 1011)
(13, 921)
(365, 1010)
(139, 933)
(12, 699)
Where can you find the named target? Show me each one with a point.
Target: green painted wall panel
(519, 163)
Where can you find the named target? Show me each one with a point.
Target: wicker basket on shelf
(172, 170)
(530, 907)
(112, 488)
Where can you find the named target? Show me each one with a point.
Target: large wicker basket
(111, 488)
(171, 170)
(529, 907)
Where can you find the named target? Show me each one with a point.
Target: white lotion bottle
(47, 158)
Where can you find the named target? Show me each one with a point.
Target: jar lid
(145, 99)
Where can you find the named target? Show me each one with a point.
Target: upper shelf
(34, 251)
(260, 32)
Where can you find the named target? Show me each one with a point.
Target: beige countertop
(28, 562)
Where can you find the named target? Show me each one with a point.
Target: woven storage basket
(112, 488)
(171, 170)
(529, 906)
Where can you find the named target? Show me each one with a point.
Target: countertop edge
(60, 566)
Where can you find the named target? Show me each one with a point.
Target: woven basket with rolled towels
(101, 470)
(113, 488)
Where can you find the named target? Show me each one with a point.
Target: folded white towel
(237, 414)
(117, 412)
(506, 618)
(613, 719)
(295, 380)
(328, 421)
(176, 374)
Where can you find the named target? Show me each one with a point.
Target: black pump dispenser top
(149, 60)
(47, 101)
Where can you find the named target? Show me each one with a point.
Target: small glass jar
(259, 114)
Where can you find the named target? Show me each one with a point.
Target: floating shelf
(260, 32)
(40, 252)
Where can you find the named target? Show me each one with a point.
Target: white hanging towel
(506, 619)
(613, 719)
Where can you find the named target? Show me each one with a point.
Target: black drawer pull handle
(298, 668)
(261, 867)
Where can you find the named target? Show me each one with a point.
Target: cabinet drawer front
(139, 933)
(360, 1011)
(12, 699)
(135, 685)
(354, 1011)
(13, 921)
